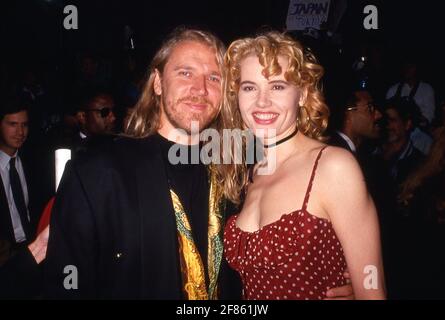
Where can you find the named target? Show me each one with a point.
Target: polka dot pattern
(296, 257)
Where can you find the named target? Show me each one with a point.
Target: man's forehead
(363, 95)
(190, 52)
(102, 100)
(16, 117)
(392, 112)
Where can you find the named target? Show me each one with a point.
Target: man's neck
(356, 140)
(397, 147)
(9, 151)
(179, 136)
(393, 150)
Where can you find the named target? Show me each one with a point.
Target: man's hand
(342, 293)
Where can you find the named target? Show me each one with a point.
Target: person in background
(421, 93)
(422, 213)
(17, 221)
(398, 150)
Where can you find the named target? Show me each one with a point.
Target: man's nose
(111, 116)
(199, 86)
(377, 115)
(21, 130)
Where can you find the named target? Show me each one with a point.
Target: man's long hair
(145, 119)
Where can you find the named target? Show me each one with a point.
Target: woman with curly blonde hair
(309, 217)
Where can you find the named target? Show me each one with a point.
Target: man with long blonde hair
(131, 224)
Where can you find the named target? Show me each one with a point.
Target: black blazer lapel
(161, 275)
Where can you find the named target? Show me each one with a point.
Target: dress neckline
(273, 223)
(305, 202)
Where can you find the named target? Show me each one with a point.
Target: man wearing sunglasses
(95, 120)
(96, 116)
(359, 121)
(358, 128)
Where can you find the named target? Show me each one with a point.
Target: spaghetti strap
(309, 187)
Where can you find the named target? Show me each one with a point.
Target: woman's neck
(281, 152)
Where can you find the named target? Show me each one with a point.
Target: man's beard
(181, 119)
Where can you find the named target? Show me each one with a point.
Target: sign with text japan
(304, 14)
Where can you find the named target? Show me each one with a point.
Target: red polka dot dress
(296, 257)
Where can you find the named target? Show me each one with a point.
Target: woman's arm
(354, 218)
(39, 245)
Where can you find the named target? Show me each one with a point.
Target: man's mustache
(197, 100)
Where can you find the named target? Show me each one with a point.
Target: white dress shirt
(421, 141)
(15, 216)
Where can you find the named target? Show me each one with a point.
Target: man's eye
(215, 79)
(185, 73)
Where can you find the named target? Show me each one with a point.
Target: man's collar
(406, 151)
(5, 158)
(348, 141)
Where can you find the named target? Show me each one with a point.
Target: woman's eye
(247, 88)
(278, 87)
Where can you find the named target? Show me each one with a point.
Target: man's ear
(157, 84)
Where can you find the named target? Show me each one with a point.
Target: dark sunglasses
(104, 112)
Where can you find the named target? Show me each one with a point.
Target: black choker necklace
(280, 141)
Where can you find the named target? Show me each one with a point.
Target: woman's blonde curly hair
(303, 71)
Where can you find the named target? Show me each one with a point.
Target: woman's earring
(308, 118)
(301, 111)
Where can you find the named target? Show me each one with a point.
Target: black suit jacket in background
(37, 195)
(337, 140)
(113, 220)
(20, 276)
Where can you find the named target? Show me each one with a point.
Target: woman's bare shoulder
(338, 163)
